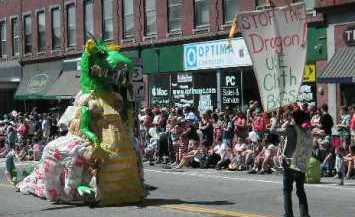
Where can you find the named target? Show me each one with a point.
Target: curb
(20, 166)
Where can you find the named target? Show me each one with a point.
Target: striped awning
(341, 67)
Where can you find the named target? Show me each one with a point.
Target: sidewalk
(275, 176)
(20, 166)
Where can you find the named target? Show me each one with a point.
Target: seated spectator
(350, 162)
(213, 157)
(239, 152)
(224, 152)
(188, 158)
(264, 158)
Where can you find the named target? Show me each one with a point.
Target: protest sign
(277, 42)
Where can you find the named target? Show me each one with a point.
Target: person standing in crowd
(259, 124)
(190, 115)
(352, 126)
(227, 129)
(240, 125)
(343, 127)
(296, 154)
(206, 129)
(46, 127)
(326, 121)
(315, 120)
(11, 137)
(147, 119)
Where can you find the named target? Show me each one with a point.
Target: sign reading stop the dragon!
(277, 42)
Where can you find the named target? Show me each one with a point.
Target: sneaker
(166, 167)
(252, 171)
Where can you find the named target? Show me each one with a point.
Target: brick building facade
(153, 49)
(337, 74)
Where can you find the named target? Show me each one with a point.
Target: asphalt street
(194, 192)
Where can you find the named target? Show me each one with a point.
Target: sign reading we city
(277, 42)
(216, 54)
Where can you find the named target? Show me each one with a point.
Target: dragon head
(103, 66)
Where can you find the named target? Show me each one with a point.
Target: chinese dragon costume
(98, 151)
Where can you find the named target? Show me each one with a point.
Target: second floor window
(150, 17)
(202, 13)
(107, 19)
(128, 18)
(41, 24)
(71, 26)
(89, 19)
(55, 28)
(3, 42)
(175, 15)
(15, 37)
(230, 10)
(27, 26)
(261, 4)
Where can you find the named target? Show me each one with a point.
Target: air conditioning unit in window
(261, 7)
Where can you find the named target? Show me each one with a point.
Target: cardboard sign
(277, 42)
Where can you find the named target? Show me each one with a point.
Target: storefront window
(347, 91)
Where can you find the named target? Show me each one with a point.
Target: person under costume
(98, 150)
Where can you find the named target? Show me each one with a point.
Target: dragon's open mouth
(100, 72)
(111, 76)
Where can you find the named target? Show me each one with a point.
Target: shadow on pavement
(162, 202)
(148, 202)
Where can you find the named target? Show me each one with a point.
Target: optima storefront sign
(216, 54)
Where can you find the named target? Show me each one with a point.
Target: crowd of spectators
(252, 141)
(181, 137)
(26, 134)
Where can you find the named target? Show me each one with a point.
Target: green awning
(37, 80)
(66, 86)
(163, 59)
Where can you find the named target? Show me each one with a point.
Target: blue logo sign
(191, 56)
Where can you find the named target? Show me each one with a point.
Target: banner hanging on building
(277, 42)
